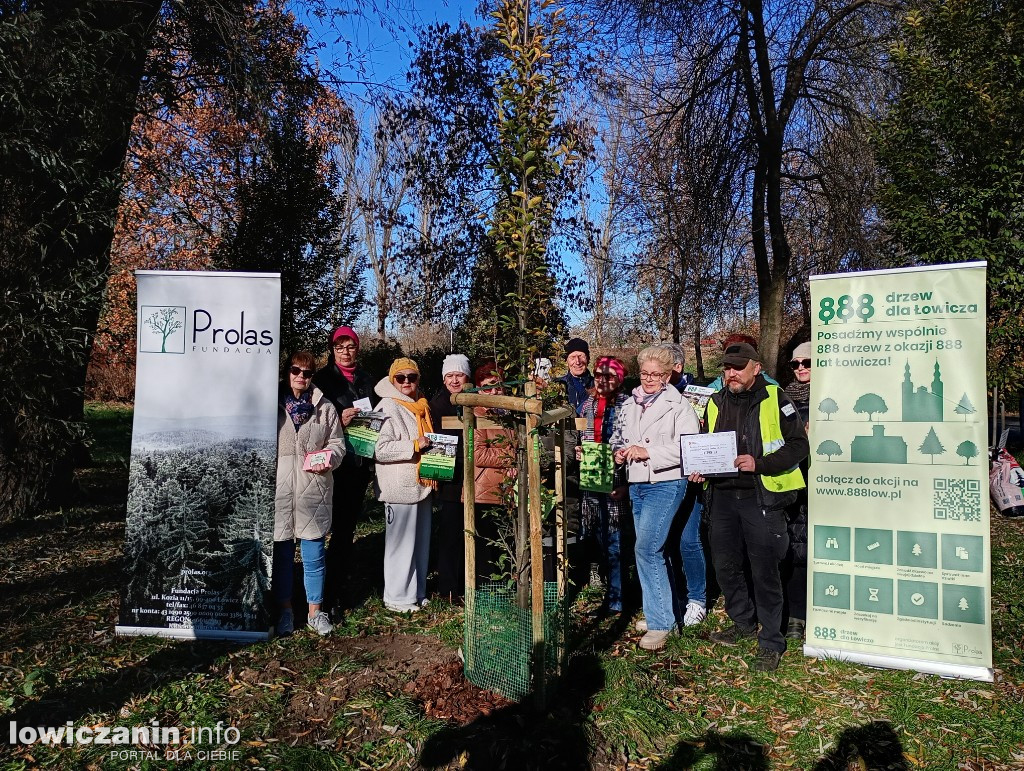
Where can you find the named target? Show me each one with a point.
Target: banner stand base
(958, 671)
(192, 634)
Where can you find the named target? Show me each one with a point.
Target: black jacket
(441, 407)
(343, 395)
(740, 412)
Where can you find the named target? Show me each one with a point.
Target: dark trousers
(741, 531)
(350, 483)
(451, 549)
(794, 586)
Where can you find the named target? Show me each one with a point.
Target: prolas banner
(899, 568)
(200, 523)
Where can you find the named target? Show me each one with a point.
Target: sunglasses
(412, 377)
(798, 363)
(306, 373)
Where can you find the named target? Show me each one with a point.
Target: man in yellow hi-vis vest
(747, 517)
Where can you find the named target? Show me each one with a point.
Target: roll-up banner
(899, 560)
(200, 522)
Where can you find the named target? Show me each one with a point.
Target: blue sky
(372, 47)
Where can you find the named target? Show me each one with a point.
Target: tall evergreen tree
(287, 224)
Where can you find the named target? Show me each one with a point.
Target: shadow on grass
(521, 738)
(735, 752)
(874, 746)
(22, 600)
(110, 691)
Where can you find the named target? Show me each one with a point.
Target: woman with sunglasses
(405, 496)
(494, 460)
(794, 567)
(646, 441)
(306, 423)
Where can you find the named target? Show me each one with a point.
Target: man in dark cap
(578, 380)
(748, 521)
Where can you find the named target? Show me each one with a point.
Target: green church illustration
(878, 448)
(922, 405)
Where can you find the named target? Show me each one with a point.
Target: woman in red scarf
(603, 512)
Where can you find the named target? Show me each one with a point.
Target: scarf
(602, 413)
(799, 392)
(421, 410)
(299, 409)
(348, 372)
(645, 399)
(599, 418)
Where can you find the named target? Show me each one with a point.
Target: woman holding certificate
(646, 441)
(309, 446)
(406, 497)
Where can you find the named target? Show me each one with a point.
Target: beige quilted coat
(397, 460)
(302, 502)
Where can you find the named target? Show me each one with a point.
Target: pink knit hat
(344, 332)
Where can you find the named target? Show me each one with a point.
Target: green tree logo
(931, 445)
(965, 408)
(828, 408)
(870, 403)
(967, 450)
(829, 448)
(164, 322)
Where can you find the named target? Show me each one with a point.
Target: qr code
(957, 499)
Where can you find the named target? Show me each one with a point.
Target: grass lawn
(386, 691)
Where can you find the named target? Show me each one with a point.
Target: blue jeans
(654, 509)
(312, 570)
(692, 552)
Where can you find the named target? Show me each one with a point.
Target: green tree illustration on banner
(967, 450)
(931, 445)
(829, 448)
(964, 407)
(870, 403)
(164, 323)
(828, 408)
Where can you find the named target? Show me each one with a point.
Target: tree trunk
(92, 135)
(697, 353)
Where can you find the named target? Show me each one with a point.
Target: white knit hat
(455, 362)
(802, 351)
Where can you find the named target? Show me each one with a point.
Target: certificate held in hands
(710, 455)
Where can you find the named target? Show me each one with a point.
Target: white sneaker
(655, 639)
(641, 625)
(396, 608)
(695, 613)
(320, 624)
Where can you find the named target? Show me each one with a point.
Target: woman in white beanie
(794, 566)
(451, 578)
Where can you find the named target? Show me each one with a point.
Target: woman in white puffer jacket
(405, 496)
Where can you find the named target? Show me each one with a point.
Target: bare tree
(796, 65)
(384, 182)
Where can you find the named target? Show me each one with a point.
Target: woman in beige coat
(646, 441)
(307, 428)
(406, 497)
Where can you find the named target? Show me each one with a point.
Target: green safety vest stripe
(771, 440)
